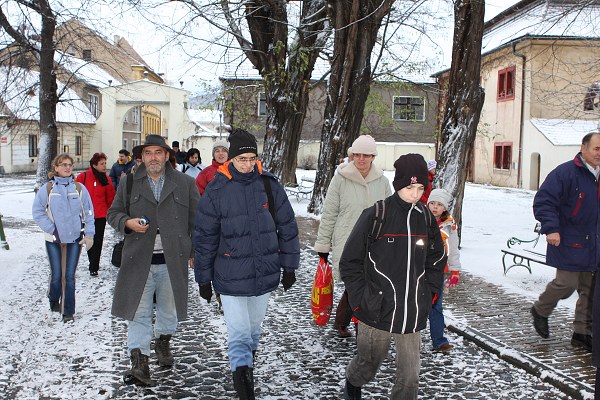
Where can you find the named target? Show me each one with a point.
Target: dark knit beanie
(175, 143)
(240, 142)
(410, 168)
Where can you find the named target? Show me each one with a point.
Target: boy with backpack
(392, 266)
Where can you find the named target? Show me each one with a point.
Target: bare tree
(464, 102)
(48, 96)
(356, 24)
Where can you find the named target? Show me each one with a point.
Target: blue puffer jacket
(567, 203)
(237, 247)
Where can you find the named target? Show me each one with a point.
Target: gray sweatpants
(373, 347)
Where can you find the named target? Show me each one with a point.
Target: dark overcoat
(174, 215)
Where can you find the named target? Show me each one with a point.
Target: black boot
(351, 392)
(140, 369)
(163, 350)
(243, 382)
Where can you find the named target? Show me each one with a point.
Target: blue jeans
(139, 334)
(244, 317)
(62, 278)
(436, 323)
(372, 348)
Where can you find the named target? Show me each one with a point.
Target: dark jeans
(96, 250)
(343, 312)
(63, 263)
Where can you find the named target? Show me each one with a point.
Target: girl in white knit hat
(439, 203)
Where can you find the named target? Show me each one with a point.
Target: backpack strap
(378, 219)
(128, 191)
(270, 200)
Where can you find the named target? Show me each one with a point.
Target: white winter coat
(347, 196)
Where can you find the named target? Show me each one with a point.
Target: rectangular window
(134, 142)
(135, 115)
(262, 104)
(87, 55)
(124, 143)
(503, 156)
(93, 104)
(78, 145)
(506, 84)
(408, 108)
(33, 147)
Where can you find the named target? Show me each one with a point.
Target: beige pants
(562, 287)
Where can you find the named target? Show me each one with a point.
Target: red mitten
(452, 279)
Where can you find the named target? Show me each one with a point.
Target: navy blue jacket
(567, 203)
(237, 246)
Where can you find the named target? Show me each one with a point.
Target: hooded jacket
(348, 195)
(238, 245)
(391, 280)
(64, 211)
(567, 203)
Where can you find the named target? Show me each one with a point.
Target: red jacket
(205, 176)
(102, 196)
(425, 196)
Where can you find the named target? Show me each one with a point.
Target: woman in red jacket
(102, 192)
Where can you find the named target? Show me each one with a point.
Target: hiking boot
(140, 370)
(55, 305)
(444, 348)
(343, 331)
(540, 324)
(68, 318)
(243, 382)
(163, 350)
(581, 340)
(351, 392)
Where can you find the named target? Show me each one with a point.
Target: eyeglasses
(246, 159)
(65, 165)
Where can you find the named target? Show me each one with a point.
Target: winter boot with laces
(162, 348)
(140, 370)
(243, 382)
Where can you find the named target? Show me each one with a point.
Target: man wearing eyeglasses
(154, 208)
(246, 240)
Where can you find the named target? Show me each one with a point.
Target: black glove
(288, 279)
(205, 291)
(324, 256)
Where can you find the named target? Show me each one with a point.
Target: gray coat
(174, 214)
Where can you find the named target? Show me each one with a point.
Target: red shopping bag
(321, 301)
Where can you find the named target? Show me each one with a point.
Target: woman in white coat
(356, 186)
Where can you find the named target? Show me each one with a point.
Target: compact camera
(144, 220)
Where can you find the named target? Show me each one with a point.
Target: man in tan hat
(156, 254)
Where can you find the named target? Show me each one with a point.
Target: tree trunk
(286, 72)
(356, 24)
(48, 96)
(464, 104)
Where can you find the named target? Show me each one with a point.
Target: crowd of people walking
(394, 251)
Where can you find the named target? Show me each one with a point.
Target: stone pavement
(501, 323)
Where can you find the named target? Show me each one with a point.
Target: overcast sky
(177, 66)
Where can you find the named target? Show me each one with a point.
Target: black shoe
(351, 392)
(55, 305)
(68, 318)
(140, 369)
(540, 324)
(163, 350)
(581, 340)
(93, 273)
(243, 382)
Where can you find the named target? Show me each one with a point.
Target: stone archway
(117, 100)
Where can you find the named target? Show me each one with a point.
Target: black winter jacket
(391, 281)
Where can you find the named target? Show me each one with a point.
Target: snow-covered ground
(43, 358)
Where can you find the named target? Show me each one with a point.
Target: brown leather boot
(140, 368)
(162, 347)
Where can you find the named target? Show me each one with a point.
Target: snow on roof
(20, 87)
(564, 132)
(543, 19)
(204, 116)
(87, 71)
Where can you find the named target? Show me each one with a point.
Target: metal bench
(302, 190)
(522, 257)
